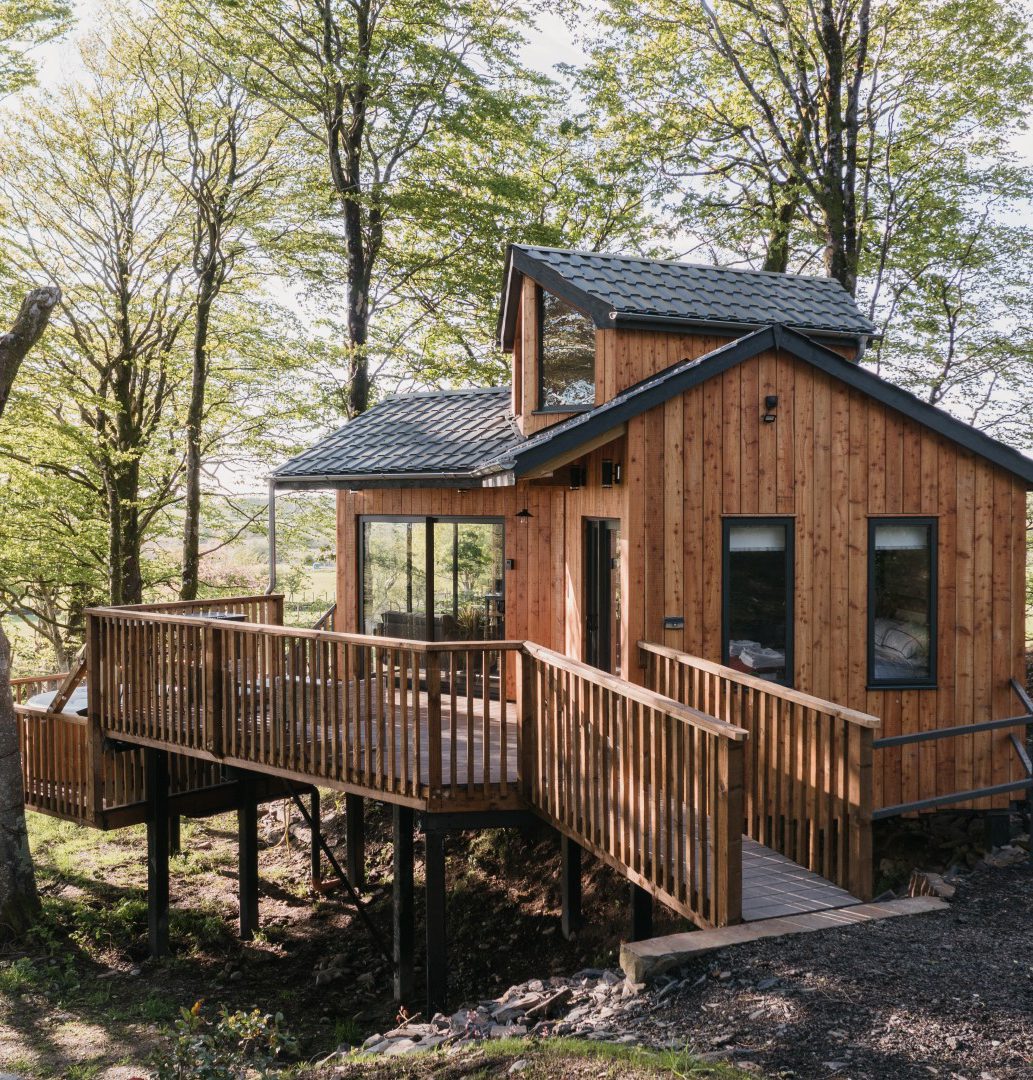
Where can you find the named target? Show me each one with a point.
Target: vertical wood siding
(832, 459)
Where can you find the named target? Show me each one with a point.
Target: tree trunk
(195, 417)
(19, 901)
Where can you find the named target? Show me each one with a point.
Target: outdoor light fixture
(524, 514)
(770, 404)
(607, 477)
(578, 476)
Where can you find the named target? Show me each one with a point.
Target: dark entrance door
(602, 595)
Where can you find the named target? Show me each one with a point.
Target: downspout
(272, 537)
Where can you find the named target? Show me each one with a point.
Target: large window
(902, 602)
(451, 568)
(758, 597)
(566, 354)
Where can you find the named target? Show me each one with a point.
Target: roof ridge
(679, 262)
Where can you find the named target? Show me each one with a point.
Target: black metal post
(315, 852)
(355, 839)
(570, 886)
(175, 839)
(403, 921)
(156, 778)
(641, 913)
(437, 944)
(997, 826)
(247, 857)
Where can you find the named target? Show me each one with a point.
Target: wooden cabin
(692, 458)
(697, 589)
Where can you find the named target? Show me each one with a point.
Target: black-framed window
(757, 597)
(902, 602)
(450, 567)
(566, 355)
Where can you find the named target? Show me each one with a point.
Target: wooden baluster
(486, 740)
(502, 723)
(527, 742)
(434, 748)
(453, 720)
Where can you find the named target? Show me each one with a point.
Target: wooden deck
(725, 797)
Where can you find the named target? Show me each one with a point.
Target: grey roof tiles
(624, 290)
(443, 432)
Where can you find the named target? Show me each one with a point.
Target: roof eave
(360, 481)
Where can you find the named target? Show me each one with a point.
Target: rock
(767, 984)
(236, 976)
(401, 1046)
(1008, 855)
(518, 1066)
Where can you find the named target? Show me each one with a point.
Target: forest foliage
(265, 215)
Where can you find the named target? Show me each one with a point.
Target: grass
(557, 1057)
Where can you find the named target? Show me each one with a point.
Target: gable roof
(467, 438)
(548, 445)
(627, 291)
(441, 435)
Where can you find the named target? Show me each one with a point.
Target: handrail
(931, 803)
(171, 606)
(640, 694)
(332, 636)
(808, 764)
(42, 713)
(787, 693)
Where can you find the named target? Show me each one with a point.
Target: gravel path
(948, 994)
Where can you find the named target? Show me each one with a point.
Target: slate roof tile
(663, 290)
(448, 431)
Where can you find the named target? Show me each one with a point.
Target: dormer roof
(627, 291)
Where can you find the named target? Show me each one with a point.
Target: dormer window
(566, 352)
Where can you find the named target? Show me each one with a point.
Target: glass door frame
(592, 527)
(428, 521)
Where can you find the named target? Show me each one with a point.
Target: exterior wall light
(770, 404)
(578, 476)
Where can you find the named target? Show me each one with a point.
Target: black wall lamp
(578, 476)
(524, 514)
(770, 404)
(611, 472)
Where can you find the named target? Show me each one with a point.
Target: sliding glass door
(450, 567)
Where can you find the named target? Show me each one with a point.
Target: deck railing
(647, 784)
(65, 771)
(808, 763)
(420, 721)
(54, 752)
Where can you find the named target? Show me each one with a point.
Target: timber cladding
(832, 459)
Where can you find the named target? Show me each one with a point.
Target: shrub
(224, 1047)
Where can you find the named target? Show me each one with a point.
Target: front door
(602, 638)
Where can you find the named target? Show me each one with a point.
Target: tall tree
(786, 125)
(222, 147)
(22, 23)
(396, 97)
(108, 226)
(19, 901)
